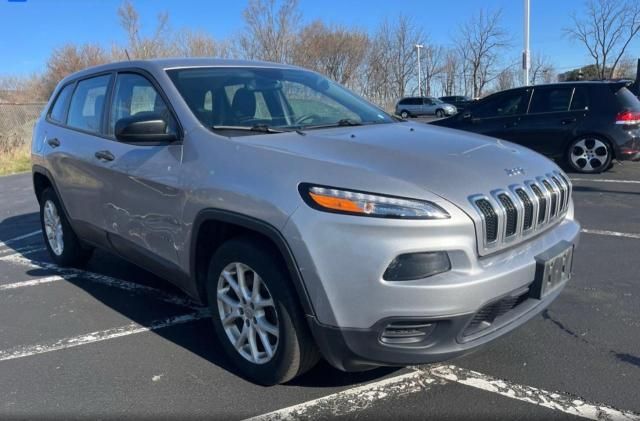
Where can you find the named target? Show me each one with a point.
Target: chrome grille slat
(522, 210)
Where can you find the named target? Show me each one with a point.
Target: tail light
(628, 118)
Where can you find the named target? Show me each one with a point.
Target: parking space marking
(24, 251)
(599, 180)
(99, 336)
(552, 400)
(422, 378)
(34, 282)
(105, 280)
(355, 399)
(610, 233)
(21, 237)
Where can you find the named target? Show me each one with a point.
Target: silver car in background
(419, 106)
(310, 222)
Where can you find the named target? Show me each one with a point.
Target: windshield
(228, 98)
(437, 100)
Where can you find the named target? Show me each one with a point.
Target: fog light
(412, 266)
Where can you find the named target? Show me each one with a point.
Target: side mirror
(149, 128)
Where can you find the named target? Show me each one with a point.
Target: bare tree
(542, 71)
(271, 29)
(396, 42)
(68, 59)
(450, 75)
(431, 66)
(189, 43)
(606, 30)
(480, 42)
(336, 52)
(140, 46)
(506, 79)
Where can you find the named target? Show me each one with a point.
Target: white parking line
(354, 399)
(552, 400)
(105, 280)
(22, 237)
(34, 282)
(99, 336)
(24, 251)
(610, 233)
(599, 180)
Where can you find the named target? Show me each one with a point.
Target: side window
(60, 105)
(87, 104)
(511, 103)
(403, 102)
(580, 99)
(550, 100)
(135, 95)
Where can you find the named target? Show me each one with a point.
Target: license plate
(553, 269)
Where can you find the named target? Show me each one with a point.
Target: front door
(497, 115)
(145, 204)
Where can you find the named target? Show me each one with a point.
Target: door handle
(53, 142)
(105, 156)
(568, 121)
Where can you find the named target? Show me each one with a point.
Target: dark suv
(585, 124)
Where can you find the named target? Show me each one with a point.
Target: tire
(405, 114)
(293, 350)
(63, 245)
(589, 155)
(439, 113)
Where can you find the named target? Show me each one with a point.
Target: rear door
(551, 120)
(72, 141)
(495, 115)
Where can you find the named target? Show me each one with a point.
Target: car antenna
(127, 54)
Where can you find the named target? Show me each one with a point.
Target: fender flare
(260, 227)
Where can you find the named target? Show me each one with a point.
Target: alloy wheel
(589, 154)
(247, 312)
(53, 227)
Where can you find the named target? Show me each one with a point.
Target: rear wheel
(589, 155)
(405, 114)
(255, 313)
(62, 243)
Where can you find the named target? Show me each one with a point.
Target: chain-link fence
(16, 124)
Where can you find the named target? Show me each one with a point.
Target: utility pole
(526, 59)
(418, 47)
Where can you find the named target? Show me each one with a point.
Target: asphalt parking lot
(113, 341)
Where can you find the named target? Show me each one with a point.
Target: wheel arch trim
(260, 227)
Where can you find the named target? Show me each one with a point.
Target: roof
(172, 63)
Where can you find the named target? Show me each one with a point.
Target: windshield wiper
(263, 128)
(339, 123)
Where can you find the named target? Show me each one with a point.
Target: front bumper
(361, 349)
(342, 259)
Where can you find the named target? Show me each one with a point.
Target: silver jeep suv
(311, 222)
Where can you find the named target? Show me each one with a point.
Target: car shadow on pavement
(585, 189)
(13, 227)
(196, 336)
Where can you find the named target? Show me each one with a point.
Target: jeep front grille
(513, 214)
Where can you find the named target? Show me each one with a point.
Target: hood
(449, 163)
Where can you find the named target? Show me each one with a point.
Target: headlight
(330, 199)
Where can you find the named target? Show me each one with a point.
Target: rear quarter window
(627, 100)
(59, 107)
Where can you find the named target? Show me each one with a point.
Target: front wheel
(589, 155)
(256, 316)
(439, 113)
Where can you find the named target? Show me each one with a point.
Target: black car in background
(460, 102)
(584, 124)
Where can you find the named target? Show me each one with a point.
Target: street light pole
(419, 72)
(526, 59)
